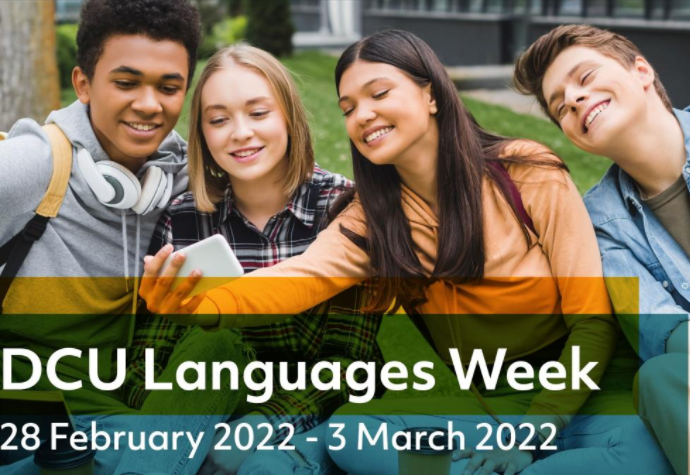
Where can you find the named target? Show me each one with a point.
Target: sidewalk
(493, 84)
(508, 98)
(304, 40)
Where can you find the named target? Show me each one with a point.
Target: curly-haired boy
(76, 286)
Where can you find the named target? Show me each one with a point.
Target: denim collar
(629, 190)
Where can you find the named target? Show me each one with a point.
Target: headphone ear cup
(168, 191)
(125, 183)
(152, 190)
(103, 190)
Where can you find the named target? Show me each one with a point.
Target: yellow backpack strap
(14, 252)
(62, 168)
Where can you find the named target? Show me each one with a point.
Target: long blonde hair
(208, 181)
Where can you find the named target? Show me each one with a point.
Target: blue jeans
(308, 458)
(663, 405)
(128, 462)
(164, 411)
(592, 445)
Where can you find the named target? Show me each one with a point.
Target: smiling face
(388, 116)
(596, 99)
(135, 95)
(244, 127)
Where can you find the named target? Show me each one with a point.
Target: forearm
(331, 264)
(264, 301)
(595, 336)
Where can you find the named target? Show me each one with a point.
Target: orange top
(528, 299)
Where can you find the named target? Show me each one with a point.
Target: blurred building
(326, 23)
(67, 11)
(491, 32)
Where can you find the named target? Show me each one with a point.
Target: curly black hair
(174, 20)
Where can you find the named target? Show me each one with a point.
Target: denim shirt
(633, 243)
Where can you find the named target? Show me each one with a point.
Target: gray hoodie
(78, 266)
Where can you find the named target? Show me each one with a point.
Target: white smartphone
(214, 258)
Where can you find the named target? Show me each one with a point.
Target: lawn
(398, 338)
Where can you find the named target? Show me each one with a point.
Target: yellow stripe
(62, 168)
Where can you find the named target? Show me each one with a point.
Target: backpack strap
(62, 169)
(515, 195)
(14, 252)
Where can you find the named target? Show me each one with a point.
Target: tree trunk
(29, 85)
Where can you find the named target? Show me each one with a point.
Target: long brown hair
(465, 154)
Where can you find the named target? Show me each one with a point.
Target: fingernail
(147, 259)
(179, 257)
(196, 273)
(168, 247)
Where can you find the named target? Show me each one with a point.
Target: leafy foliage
(66, 46)
(269, 25)
(224, 33)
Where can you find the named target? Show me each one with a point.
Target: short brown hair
(533, 63)
(208, 181)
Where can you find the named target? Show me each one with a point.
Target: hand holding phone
(213, 257)
(173, 283)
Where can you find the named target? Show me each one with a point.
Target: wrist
(527, 441)
(530, 454)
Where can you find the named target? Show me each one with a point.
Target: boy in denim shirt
(599, 89)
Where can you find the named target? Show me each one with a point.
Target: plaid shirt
(334, 331)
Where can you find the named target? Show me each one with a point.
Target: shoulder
(605, 200)
(185, 224)
(26, 140)
(539, 166)
(182, 202)
(527, 148)
(26, 168)
(176, 139)
(325, 188)
(327, 181)
(352, 217)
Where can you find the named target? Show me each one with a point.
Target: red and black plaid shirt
(335, 331)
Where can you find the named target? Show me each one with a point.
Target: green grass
(399, 339)
(314, 74)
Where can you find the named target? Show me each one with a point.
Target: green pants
(662, 388)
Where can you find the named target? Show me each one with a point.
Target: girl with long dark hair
(484, 241)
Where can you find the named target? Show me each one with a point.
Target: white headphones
(117, 187)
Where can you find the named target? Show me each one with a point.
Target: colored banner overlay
(309, 370)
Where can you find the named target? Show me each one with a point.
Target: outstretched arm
(331, 264)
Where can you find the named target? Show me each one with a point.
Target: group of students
(483, 240)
